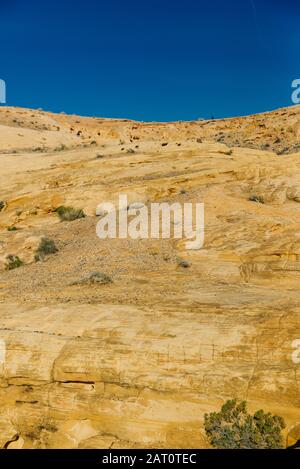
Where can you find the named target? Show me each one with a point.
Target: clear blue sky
(150, 59)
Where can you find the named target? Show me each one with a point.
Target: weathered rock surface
(80, 376)
(137, 361)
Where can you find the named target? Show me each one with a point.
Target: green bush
(46, 247)
(69, 213)
(13, 262)
(234, 428)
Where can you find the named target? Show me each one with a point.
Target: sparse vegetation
(99, 277)
(46, 247)
(69, 213)
(234, 428)
(13, 262)
(256, 198)
(12, 228)
(183, 263)
(2, 205)
(94, 278)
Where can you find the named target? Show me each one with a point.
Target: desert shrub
(183, 263)
(94, 278)
(256, 198)
(69, 213)
(99, 277)
(13, 262)
(46, 247)
(2, 205)
(234, 428)
(12, 228)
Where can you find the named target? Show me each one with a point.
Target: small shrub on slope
(234, 428)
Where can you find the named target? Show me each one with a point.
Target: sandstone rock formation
(137, 361)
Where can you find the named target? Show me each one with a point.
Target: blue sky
(150, 59)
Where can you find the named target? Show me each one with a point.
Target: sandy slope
(139, 361)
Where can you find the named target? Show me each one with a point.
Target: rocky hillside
(127, 343)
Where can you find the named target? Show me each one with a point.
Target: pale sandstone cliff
(138, 362)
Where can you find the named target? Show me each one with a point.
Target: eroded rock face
(111, 375)
(293, 437)
(138, 360)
